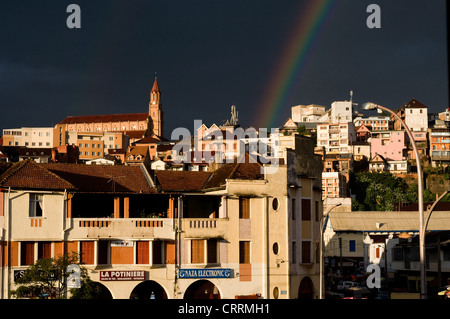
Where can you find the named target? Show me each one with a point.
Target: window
(212, 251)
(294, 252)
(169, 252)
(275, 204)
(244, 207)
(293, 209)
(156, 252)
(87, 252)
(316, 209)
(244, 252)
(275, 248)
(44, 249)
(306, 252)
(142, 252)
(36, 205)
(306, 209)
(351, 245)
(26, 253)
(102, 252)
(197, 251)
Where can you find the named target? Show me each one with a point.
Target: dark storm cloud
(208, 56)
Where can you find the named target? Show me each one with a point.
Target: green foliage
(378, 191)
(48, 278)
(302, 130)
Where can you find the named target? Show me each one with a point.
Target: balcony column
(116, 207)
(126, 207)
(69, 205)
(171, 209)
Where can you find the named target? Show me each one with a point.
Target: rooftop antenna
(351, 98)
(111, 179)
(234, 115)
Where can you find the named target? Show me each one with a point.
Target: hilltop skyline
(209, 56)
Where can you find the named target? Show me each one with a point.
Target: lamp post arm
(430, 210)
(423, 291)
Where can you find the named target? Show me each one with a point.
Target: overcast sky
(210, 55)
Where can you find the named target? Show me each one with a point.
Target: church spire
(155, 112)
(155, 85)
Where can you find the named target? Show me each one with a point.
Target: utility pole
(340, 257)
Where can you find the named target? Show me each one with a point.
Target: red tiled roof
(103, 178)
(415, 104)
(181, 180)
(135, 134)
(105, 118)
(248, 171)
(28, 174)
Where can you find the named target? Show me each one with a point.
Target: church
(134, 125)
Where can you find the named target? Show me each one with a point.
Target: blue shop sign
(205, 273)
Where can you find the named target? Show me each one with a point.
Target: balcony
(440, 155)
(89, 228)
(84, 228)
(205, 227)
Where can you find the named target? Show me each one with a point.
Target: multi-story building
(32, 137)
(415, 115)
(240, 231)
(94, 145)
(307, 113)
(375, 123)
(334, 184)
(389, 144)
(440, 146)
(336, 137)
(361, 150)
(341, 112)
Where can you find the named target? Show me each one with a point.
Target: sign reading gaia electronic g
(205, 273)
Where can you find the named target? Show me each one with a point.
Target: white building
(336, 137)
(341, 112)
(416, 115)
(307, 113)
(40, 137)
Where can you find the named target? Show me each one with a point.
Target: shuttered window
(44, 250)
(142, 249)
(170, 252)
(197, 251)
(27, 253)
(244, 207)
(87, 252)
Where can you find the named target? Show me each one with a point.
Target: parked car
(343, 285)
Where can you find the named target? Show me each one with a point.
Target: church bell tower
(156, 124)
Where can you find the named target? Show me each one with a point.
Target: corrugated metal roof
(387, 221)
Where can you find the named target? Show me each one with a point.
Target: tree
(377, 191)
(47, 278)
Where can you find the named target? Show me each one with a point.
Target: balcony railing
(120, 227)
(146, 227)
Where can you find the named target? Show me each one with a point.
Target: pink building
(389, 144)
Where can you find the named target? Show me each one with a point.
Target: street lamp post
(423, 280)
(322, 225)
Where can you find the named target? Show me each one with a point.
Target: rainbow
(294, 58)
